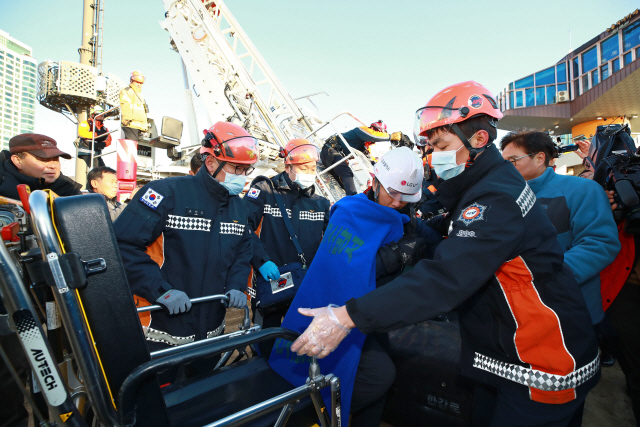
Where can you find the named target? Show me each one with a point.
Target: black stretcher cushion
(85, 227)
(231, 389)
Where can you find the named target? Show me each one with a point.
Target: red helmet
(137, 76)
(299, 151)
(379, 126)
(230, 143)
(455, 104)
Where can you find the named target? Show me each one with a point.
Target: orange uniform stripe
(156, 252)
(538, 338)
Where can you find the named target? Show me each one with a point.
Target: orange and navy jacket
(360, 138)
(524, 323)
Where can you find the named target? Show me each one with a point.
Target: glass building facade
(18, 77)
(575, 74)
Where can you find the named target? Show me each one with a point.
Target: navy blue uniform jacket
(524, 323)
(309, 215)
(200, 232)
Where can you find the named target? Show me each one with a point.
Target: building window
(519, 99)
(576, 87)
(631, 36)
(551, 94)
(627, 59)
(615, 65)
(526, 82)
(609, 49)
(511, 86)
(530, 97)
(540, 95)
(511, 104)
(576, 68)
(589, 59)
(561, 72)
(594, 78)
(605, 71)
(546, 77)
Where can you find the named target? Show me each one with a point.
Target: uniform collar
(542, 181)
(451, 191)
(212, 185)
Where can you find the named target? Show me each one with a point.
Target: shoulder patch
(152, 199)
(253, 193)
(473, 212)
(526, 200)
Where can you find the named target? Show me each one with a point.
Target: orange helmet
(228, 142)
(137, 76)
(455, 104)
(299, 151)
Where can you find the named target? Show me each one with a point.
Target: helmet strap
(376, 191)
(473, 152)
(221, 165)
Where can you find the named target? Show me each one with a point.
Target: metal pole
(192, 120)
(86, 58)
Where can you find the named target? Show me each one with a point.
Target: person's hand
(174, 301)
(583, 150)
(237, 299)
(396, 136)
(323, 334)
(614, 205)
(269, 271)
(407, 251)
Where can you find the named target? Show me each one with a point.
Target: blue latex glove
(174, 302)
(269, 271)
(237, 299)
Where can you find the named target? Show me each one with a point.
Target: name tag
(284, 282)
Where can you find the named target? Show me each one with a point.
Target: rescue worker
(94, 128)
(525, 328)
(34, 160)
(309, 218)
(103, 180)
(133, 108)
(360, 139)
(187, 237)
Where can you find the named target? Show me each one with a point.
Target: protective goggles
(302, 154)
(430, 118)
(401, 197)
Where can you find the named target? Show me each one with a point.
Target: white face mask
(305, 180)
(445, 165)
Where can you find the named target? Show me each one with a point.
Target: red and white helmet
(400, 172)
(228, 142)
(298, 151)
(379, 126)
(455, 104)
(137, 76)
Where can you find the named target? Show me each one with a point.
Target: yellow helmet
(137, 76)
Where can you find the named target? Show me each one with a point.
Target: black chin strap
(376, 191)
(221, 165)
(473, 152)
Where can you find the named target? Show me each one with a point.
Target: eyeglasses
(514, 160)
(242, 170)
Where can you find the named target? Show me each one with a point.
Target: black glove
(407, 251)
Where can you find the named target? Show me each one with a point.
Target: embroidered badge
(152, 199)
(475, 101)
(475, 212)
(253, 193)
(466, 233)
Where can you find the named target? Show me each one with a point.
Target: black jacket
(10, 178)
(201, 243)
(521, 310)
(309, 215)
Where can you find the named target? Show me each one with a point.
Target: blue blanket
(343, 268)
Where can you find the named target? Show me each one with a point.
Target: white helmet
(400, 172)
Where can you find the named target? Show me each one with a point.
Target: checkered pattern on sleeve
(534, 378)
(526, 200)
(311, 216)
(274, 211)
(188, 223)
(231, 228)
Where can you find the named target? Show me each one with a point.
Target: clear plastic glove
(323, 334)
(237, 299)
(175, 301)
(269, 271)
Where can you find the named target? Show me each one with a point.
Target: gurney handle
(193, 301)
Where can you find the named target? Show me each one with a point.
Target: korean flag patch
(253, 193)
(152, 199)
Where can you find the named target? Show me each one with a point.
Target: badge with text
(152, 199)
(285, 281)
(475, 101)
(475, 212)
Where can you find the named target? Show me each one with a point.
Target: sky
(377, 59)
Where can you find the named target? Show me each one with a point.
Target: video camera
(617, 168)
(405, 141)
